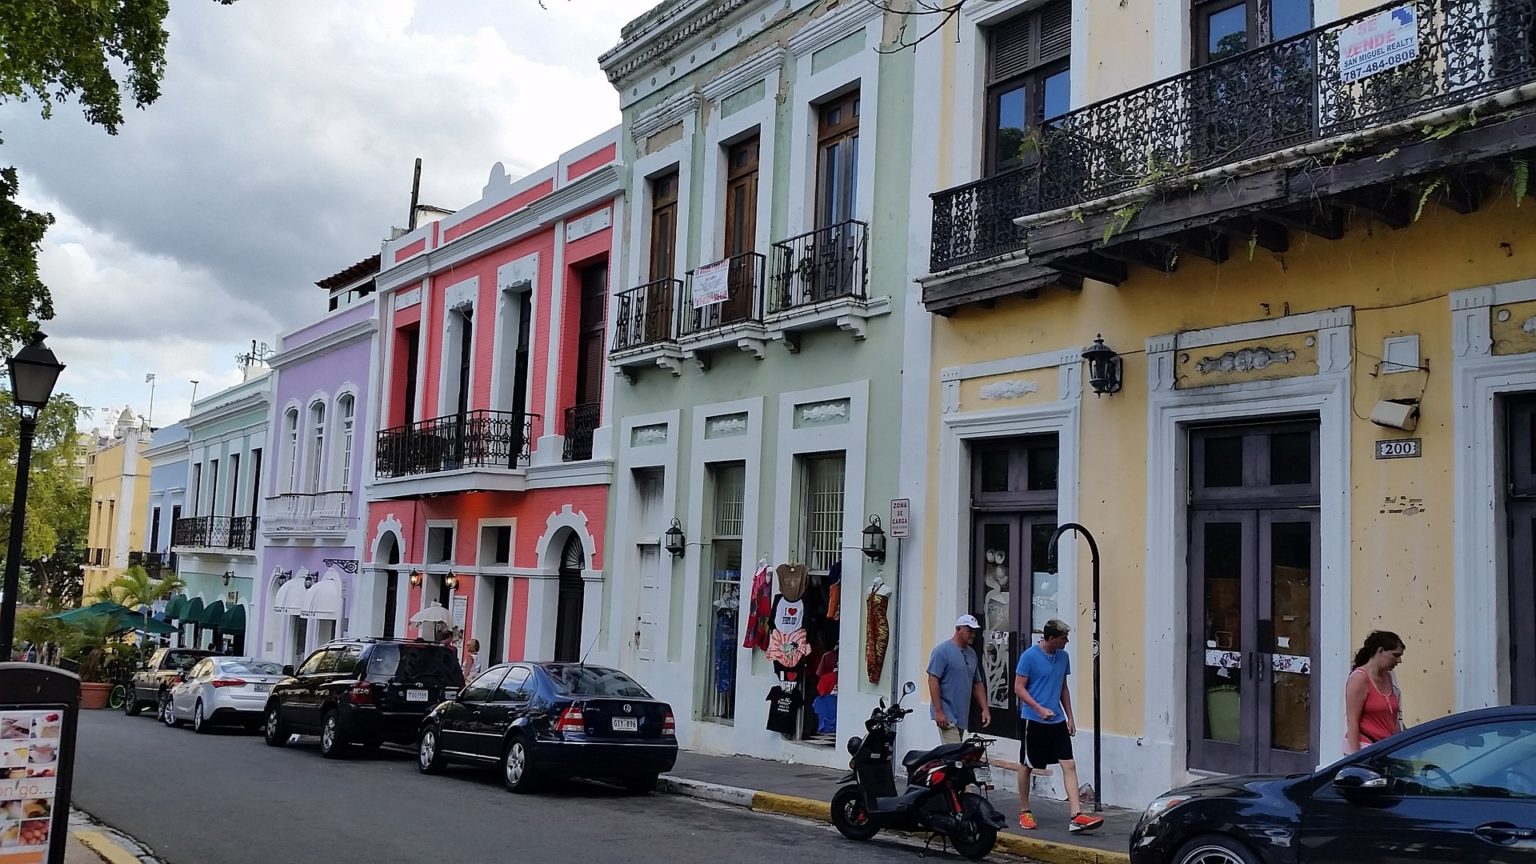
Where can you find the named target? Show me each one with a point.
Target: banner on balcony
(1383, 41)
(711, 285)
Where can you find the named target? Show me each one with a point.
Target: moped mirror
(1356, 779)
(882, 703)
(908, 689)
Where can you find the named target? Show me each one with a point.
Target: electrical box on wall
(1402, 415)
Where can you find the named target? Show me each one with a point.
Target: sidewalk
(806, 791)
(92, 843)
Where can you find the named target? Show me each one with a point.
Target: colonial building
(1310, 263)
(311, 525)
(758, 327)
(117, 476)
(167, 458)
(492, 462)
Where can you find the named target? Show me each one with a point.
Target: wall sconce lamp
(874, 541)
(228, 575)
(416, 579)
(675, 539)
(451, 581)
(1103, 367)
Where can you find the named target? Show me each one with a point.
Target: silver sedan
(231, 690)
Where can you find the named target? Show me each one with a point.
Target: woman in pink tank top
(1373, 706)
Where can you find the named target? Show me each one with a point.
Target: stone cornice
(675, 108)
(328, 342)
(661, 34)
(749, 72)
(831, 27)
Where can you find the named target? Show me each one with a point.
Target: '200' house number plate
(1399, 448)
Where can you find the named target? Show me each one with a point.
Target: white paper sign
(460, 611)
(711, 284)
(1383, 41)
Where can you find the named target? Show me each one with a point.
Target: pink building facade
(493, 459)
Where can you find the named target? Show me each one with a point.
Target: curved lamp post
(34, 370)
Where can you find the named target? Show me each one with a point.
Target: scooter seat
(915, 758)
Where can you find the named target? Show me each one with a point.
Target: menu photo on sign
(29, 760)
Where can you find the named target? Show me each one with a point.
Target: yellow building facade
(1320, 285)
(119, 482)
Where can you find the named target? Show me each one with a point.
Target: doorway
(1520, 505)
(568, 611)
(1254, 553)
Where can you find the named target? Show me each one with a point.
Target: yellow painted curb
(789, 805)
(104, 846)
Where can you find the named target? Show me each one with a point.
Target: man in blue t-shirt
(954, 676)
(1045, 707)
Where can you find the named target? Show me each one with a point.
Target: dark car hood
(1239, 785)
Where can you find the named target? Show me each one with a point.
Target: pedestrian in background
(954, 676)
(1045, 706)
(472, 665)
(1373, 706)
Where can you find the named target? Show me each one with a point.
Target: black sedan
(553, 720)
(1459, 789)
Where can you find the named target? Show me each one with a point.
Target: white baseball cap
(968, 621)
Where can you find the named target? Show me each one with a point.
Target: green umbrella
(175, 607)
(99, 609)
(213, 614)
(193, 613)
(234, 619)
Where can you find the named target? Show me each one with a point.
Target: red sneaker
(1027, 821)
(1084, 822)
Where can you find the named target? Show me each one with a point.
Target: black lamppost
(34, 370)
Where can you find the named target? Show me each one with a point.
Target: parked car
(156, 675)
(548, 720)
(361, 691)
(227, 690)
(1459, 789)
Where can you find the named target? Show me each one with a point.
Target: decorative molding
(1010, 389)
(1246, 360)
(1161, 376)
(1471, 330)
(407, 299)
(949, 396)
(1472, 298)
(1334, 351)
(673, 110)
(324, 344)
(1069, 380)
(523, 271)
(744, 74)
(725, 426)
(461, 294)
(564, 518)
(818, 413)
(1267, 328)
(833, 26)
(345, 565)
(589, 224)
(1010, 365)
(645, 436)
(663, 33)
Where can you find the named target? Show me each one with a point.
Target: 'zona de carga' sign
(1383, 41)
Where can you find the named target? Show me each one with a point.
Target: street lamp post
(34, 370)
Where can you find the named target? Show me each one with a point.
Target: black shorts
(1045, 744)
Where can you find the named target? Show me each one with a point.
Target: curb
(108, 844)
(1047, 851)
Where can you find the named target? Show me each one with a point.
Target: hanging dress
(759, 610)
(877, 634)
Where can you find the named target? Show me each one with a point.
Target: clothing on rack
(783, 706)
(788, 649)
(759, 608)
(725, 653)
(877, 632)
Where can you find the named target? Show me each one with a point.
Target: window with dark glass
(837, 160)
(1224, 28)
(1028, 81)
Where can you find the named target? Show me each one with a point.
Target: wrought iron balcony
(647, 315)
(744, 303)
(215, 532)
(474, 439)
(580, 422)
(1259, 103)
(826, 264)
(308, 512)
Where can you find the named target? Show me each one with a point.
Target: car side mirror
(288, 670)
(1355, 779)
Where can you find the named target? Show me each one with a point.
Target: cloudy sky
(280, 152)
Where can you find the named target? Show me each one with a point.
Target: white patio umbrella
(433, 614)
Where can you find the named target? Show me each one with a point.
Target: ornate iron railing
(474, 439)
(308, 511)
(647, 315)
(215, 532)
(826, 264)
(580, 422)
(1252, 104)
(744, 284)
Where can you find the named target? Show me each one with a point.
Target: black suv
(155, 677)
(362, 691)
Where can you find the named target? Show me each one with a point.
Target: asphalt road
(230, 799)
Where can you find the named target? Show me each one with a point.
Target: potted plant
(91, 645)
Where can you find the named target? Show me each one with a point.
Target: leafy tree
(137, 588)
(58, 505)
(50, 51)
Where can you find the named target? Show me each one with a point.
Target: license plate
(263, 688)
(626, 724)
(415, 695)
(983, 774)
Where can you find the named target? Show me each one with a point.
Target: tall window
(197, 489)
(1227, 27)
(1028, 81)
(255, 480)
(663, 264)
(346, 410)
(234, 484)
(740, 228)
(316, 447)
(213, 487)
(412, 358)
(837, 160)
(154, 530)
(591, 360)
(729, 485)
(823, 511)
(290, 451)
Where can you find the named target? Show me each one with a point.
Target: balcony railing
(580, 422)
(474, 439)
(647, 315)
(826, 264)
(1260, 102)
(744, 286)
(299, 512)
(215, 532)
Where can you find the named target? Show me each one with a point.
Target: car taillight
(360, 693)
(669, 724)
(227, 682)
(571, 720)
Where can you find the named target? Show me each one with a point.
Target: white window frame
(314, 457)
(346, 431)
(290, 453)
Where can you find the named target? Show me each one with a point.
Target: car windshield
(575, 680)
(185, 659)
(431, 664)
(243, 666)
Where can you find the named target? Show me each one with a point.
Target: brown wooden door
(659, 298)
(741, 230)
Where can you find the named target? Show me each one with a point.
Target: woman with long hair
(1373, 706)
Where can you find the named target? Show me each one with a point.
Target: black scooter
(935, 801)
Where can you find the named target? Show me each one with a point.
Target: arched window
(346, 409)
(290, 453)
(316, 455)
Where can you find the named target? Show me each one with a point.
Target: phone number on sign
(1380, 64)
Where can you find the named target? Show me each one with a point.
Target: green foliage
(1253, 243)
(137, 588)
(1520, 177)
(58, 506)
(91, 643)
(1441, 131)
(1424, 194)
(1122, 219)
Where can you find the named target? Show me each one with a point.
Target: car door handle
(1503, 833)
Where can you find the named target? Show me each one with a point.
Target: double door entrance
(1253, 593)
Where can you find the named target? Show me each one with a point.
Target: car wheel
(199, 722)
(273, 730)
(641, 785)
(167, 712)
(850, 817)
(517, 768)
(1215, 849)
(429, 758)
(131, 705)
(333, 743)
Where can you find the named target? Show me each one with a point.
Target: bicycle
(118, 696)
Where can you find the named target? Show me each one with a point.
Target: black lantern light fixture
(228, 575)
(451, 581)
(34, 370)
(874, 540)
(1103, 367)
(416, 579)
(675, 540)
